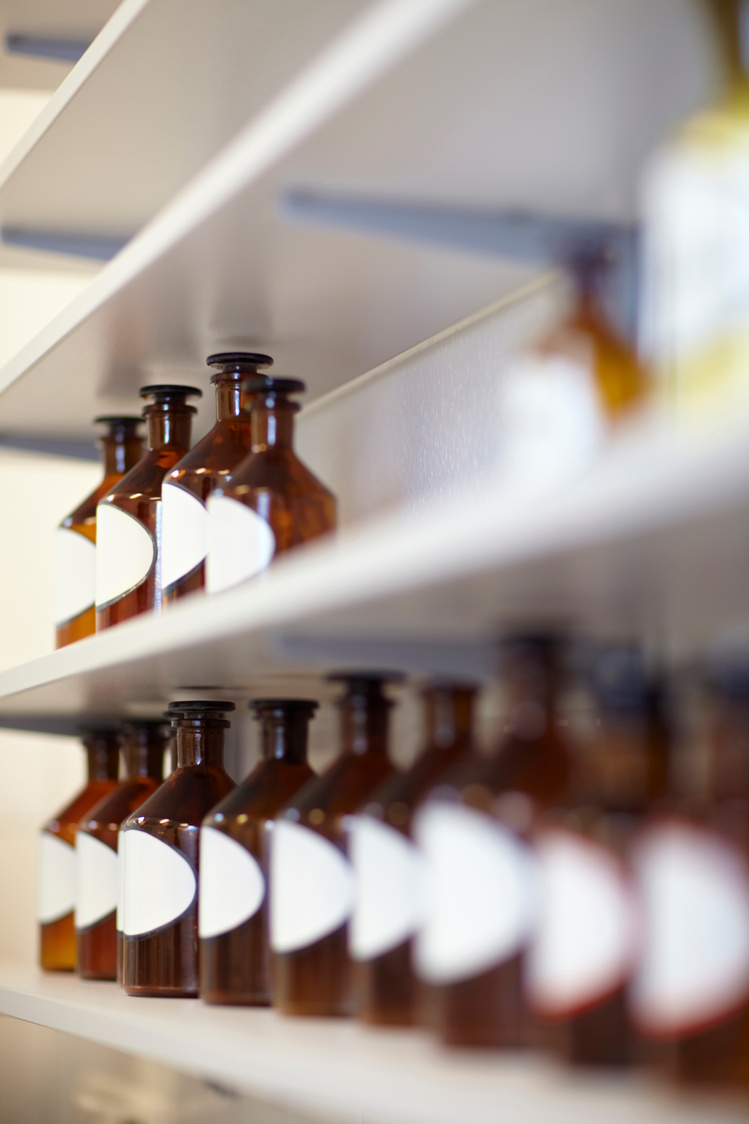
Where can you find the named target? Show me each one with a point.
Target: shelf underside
(652, 542)
(335, 1067)
(456, 102)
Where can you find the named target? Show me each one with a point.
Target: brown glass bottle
(142, 761)
(75, 615)
(389, 891)
(693, 863)
(57, 858)
(271, 502)
(473, 829)
(128, 567)
(208, 464)
(159, 852)
(233, 912)
(311, 885)
(587, 940)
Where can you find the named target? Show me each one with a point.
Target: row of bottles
(171, 520)
(552, 892)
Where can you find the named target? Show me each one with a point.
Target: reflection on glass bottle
(389, 878)
(474, 831)
(57, 852)
(159, 852)
(311, 883)
(690, 995)
(271, 502)
(207, 466)
(233, 912)
(588, 936)
(128, 518)
(75, 609)
(560, 401)
(97, 871)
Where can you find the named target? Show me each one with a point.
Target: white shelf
(335, 1066)
(624, 550)
(432, 100)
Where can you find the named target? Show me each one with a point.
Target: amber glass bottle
(690, 995)
(57, 852)
(208, 464)
(389, 900)
(75, 608)
(128, 517)
(233, 913)
(311, 884)
(587, 941)
(271, 501)
(159, 852)
(473, 830)
(97, 871)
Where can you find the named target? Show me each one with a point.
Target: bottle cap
(119, 421)
(192, 707)
(256, 384)
(162, 392)
(284, 705)
(238, 359)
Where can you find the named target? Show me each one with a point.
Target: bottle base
(235, 1000)
(159, 992)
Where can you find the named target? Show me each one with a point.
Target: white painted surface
(158, 883)
(125, 553)
(97, 875)
(389, 900)
(56, 879)
(241, 544)
(184, 532)
(311, 887)
(232, 884)
(334, 1066)
(75, 575)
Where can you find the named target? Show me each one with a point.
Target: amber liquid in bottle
(142, 758)
(160, 946)
(529, 772)
(314, 978)
(128, 567)
(57, 933)
(122, 447)
(387, 990)
(206, 467)
(271, 502)
(235, 965)
(624, 773)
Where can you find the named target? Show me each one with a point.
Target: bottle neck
(144, 758)
(199, 745)
(231, 402)
(283, 737)
(103, 757)
(364, 725)
(532, 695)
(449, 716)
(169, 426)
(272, 427)
(120, 453)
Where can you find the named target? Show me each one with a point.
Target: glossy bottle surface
(122, 447)
(271, 502)
(142, 759)
(235, 962)
(311, 892)
(204, 468)
(474, 829)
(128, 568)
(160, 849)
(57, 872)
(386, 863)
(585, 953)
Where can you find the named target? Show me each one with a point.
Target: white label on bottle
(240, 543)
(184, 532)
(389, 902)
(120, 879)
(159, 884)
(695, 963)
(311, 887)
(586, 937)
(125, 553)
(232, 886)
(75, 585)
(480, 893)
(552, 422)
(97, 879)
(56, 878)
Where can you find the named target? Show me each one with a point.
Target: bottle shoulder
(85, 512)
(211, 458)
(116, 806)
(275, 470)
(183, 799)
(260, 795)
(341, 789)
(72, 813)
(143, 482)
